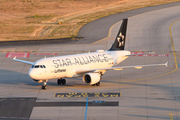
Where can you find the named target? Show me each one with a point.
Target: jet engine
(91, 78)
(38, 81)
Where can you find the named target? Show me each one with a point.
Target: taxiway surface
(149, 93)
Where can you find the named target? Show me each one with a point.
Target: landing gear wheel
(44, 87)
(59, 81)
(63, 81)
(97, 84)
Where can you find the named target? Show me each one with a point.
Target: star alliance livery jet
(89, 66)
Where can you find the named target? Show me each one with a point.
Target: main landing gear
(97, 84)
(44, 87)
(61, 81)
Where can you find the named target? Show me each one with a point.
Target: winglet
(23, 61)
(166, 64)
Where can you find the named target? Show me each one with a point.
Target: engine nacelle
(91, 78)
(38, 81)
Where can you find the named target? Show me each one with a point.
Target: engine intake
(91, 78)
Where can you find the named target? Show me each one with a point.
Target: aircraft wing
(79, 71)
(23, 61)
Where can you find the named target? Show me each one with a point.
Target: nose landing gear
(61, 81)
(44, 87)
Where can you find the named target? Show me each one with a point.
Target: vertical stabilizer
(119, 42)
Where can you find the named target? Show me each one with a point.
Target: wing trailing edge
(81, 71)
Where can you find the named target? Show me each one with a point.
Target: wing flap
(138, 67)
(118, 69)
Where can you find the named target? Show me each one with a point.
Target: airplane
(89, 66)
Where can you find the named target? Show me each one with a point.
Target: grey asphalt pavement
(149, 93)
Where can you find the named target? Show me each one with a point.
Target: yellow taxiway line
(175, 60)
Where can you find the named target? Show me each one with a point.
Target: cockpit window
(41, 66)
(38, 66)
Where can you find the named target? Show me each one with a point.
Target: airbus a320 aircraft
(89, 66)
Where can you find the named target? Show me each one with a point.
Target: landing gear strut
(61, 81)
(97, 84)
(44, 87)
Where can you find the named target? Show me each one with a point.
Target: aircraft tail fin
(119, 42)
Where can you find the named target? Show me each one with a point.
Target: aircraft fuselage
(66, 66)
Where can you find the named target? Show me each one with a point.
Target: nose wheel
(44, 87)
(61, 81)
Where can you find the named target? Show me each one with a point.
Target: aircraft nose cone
(32, 74)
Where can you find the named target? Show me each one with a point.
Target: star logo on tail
(121, 42)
